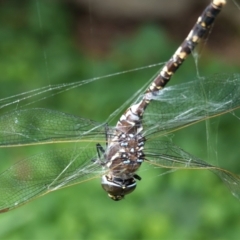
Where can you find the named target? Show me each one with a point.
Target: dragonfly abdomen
(198, 32)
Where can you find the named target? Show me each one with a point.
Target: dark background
(54, 42)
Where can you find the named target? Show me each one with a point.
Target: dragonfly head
(117, 187)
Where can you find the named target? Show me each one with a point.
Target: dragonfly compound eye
(116, 187)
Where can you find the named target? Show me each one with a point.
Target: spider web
(51, 91)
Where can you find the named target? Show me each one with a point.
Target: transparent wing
(46, 172)
(165, 154)
(183, 104)
(34, 126)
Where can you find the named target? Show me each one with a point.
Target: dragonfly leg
(100, 152)
(106, 133)
(137, 177)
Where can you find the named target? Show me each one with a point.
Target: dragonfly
(115, 153)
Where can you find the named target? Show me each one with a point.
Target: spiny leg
(100, 149)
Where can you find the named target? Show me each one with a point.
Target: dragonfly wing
(34, 126)
(46, 172)
(183, 104)
(165, 154)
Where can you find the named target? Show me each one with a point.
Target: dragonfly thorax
(124, 154)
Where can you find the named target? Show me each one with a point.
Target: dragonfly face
(117, 188)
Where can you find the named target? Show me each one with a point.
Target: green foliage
(37, 49)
